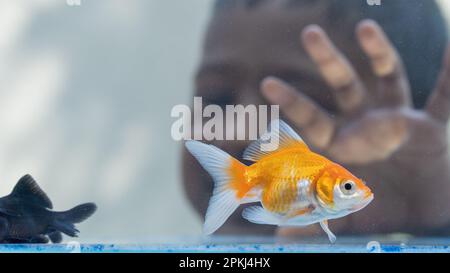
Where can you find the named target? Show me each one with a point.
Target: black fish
(26, 215)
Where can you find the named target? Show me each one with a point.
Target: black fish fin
(78, 214)
(66, 228)
(55, 237)
(27, 188)
(65, 220)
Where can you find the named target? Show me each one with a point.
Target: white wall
(85, 100)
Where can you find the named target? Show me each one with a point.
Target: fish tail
(65, 221)
(230, 185)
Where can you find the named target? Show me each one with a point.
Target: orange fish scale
(279, 173)
(279, 195)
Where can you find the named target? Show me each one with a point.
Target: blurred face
(243, 46)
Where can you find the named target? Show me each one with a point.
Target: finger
(316, 125)
(386, 64)
(438, 104)
(335, 69)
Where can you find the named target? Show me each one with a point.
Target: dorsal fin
(27, 188)
(279, 134)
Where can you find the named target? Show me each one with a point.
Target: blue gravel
(221, 245)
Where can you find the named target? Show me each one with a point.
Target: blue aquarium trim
(222, 248)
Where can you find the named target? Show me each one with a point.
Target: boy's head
(248, 40)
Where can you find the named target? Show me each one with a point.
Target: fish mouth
(366, 201)
(368, 196)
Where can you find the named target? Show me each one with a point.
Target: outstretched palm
(377, 130)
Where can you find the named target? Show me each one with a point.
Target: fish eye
(348, 187)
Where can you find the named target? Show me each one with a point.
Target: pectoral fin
(331, 236)
(55, 237)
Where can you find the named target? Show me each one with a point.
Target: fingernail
(367, 28)
(271, 89)
(312, 33)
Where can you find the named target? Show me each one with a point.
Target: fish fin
(66, 228)
(229, 183)
(77, 214)
(258, 215)
(252, 197)
(324, 226)
(27, 188)
(65, 221)
(55, 237)
(281, 135)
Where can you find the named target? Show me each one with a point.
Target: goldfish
(26, 215)
(294, 185)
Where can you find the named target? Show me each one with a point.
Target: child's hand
(377, 131)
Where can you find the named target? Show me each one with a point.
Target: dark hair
(417, 29)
